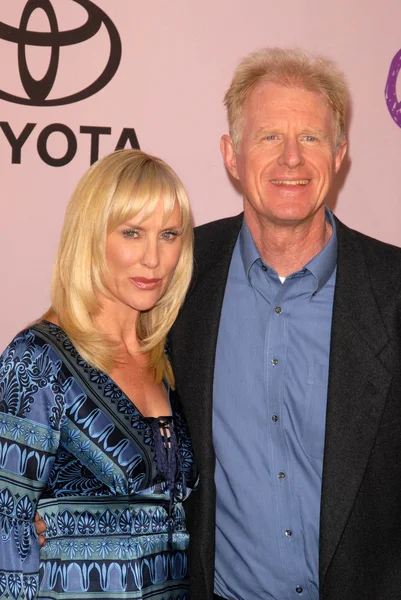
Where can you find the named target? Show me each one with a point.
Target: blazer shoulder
(219, 226)
(212, 236)
(383, 260)
(372, 247)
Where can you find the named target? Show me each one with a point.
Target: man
(286, 357)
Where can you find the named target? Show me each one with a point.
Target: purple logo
(393, 104)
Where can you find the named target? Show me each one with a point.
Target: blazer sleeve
(31, 411)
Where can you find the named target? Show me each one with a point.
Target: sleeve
(31, 408)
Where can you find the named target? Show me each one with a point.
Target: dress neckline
(150, 419)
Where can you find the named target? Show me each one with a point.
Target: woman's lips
(145, 284)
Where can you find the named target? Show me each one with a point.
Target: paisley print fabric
(108, 481)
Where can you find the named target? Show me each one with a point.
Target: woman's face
(141, 258)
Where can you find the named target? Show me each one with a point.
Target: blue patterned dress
(108, 482)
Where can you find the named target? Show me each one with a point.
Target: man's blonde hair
(111, 192)
(288, 68)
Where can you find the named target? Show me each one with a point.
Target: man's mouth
(290, 181)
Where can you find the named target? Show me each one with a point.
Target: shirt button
(298, 589)
(274, 418)
(274, 361)
(264, 268)
(278, 309)
(281, 475)
(288, 532)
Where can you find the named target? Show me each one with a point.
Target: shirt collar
(249, 252)
(321, 266)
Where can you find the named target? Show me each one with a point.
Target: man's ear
(229, 155)
(341, 152)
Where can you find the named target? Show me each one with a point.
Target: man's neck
(288, 247)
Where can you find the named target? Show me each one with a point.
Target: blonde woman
(91, 432)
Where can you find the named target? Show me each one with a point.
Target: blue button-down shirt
(270, 395)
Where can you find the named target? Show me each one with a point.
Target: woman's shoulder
(33, 378)
(38, 342)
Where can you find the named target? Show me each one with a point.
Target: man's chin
(292, 217)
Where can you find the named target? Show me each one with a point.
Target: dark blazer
(360, 527)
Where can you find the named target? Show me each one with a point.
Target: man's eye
(271, 137)
(310, 138)
(130, 233)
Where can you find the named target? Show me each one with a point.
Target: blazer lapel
(194, 335)
(358, 387)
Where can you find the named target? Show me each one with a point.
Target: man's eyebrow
(274, 129)
(315, 132)
(267, 129)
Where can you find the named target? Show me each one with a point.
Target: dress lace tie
(166, 448)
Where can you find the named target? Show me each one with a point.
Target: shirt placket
(288, 526)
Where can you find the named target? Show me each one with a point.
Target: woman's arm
(30, 413)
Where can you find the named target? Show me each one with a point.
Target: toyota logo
(38, 91)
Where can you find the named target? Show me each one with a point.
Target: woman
(91, 434)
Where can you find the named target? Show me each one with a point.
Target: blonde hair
(288, 68)
(112, 191)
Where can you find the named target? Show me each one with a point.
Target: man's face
(287, 157)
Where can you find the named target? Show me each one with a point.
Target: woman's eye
(130, 233)
(169, 236)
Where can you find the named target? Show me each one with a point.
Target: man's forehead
(270, 102)
(270, 92)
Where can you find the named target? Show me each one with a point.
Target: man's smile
(290, 181)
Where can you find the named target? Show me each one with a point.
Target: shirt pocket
(315, 410)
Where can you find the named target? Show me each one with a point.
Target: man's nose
(291, 155)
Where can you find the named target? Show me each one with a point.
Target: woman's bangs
(142, 199)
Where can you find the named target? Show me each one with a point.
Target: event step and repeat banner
(81, 78)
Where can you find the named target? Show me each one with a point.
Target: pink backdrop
(177, 61)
